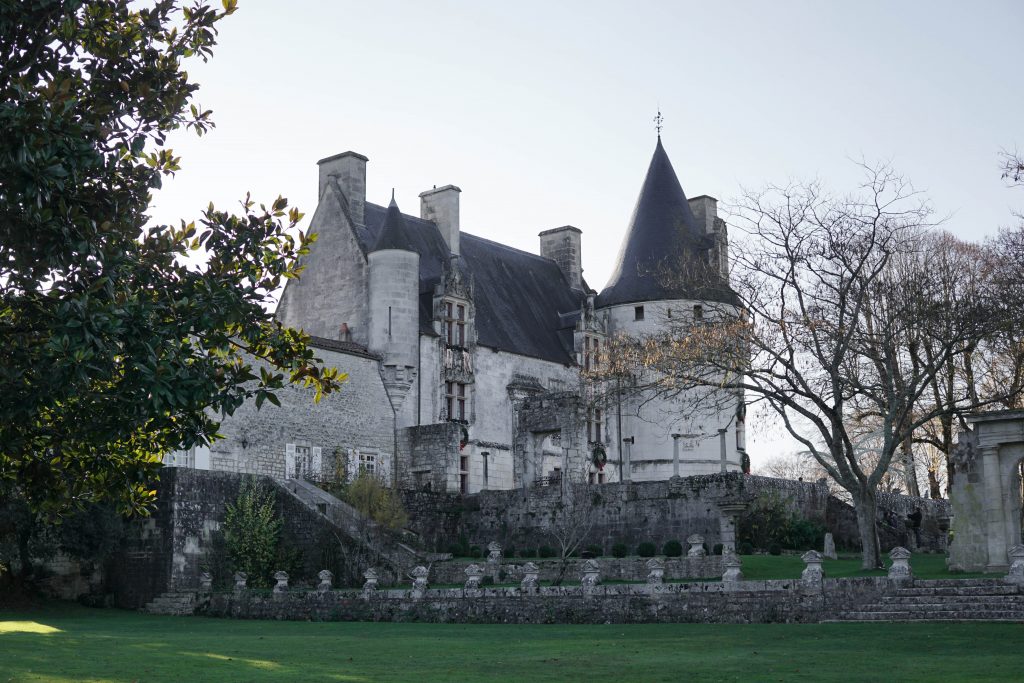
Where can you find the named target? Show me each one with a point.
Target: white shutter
(202, 458)
(289, 461)
(316, 464)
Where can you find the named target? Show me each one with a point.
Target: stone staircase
(396, 554)
(175, 603)
(945, 600)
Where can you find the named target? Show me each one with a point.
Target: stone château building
(467, 357)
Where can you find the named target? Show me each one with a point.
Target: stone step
(171, 603)
(995, 589)
(1016, 600)
(943, 606)
(944, 583)
(947, 615)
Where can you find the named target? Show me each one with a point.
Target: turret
(394, 268)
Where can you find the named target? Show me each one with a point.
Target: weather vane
(658, 120)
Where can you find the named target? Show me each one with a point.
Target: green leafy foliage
(547, 551)
(770, 520)
(252, 531)
(367, 494)
(619, 550)
(673, 549)
(117, 347)
(647, 549)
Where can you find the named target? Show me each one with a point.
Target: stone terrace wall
(168, 550)
(612, 569)
(710, 602)
(634, 512)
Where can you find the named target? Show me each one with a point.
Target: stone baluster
(240, 579)
(590, 574)
(900, 569)
(813, 573)
(530, 582)
(655, 570)
(1015, 574)
(282, 582)
(732, 564)
(326, 579)
(696, 542)
(474, 573)
(206, 582)
(419, 581)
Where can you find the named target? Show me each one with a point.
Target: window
(454, 323)
(594, 422)
(591, 353)
(464, 474)
(698, 313)
(368, 462)
(455, 400)
(303, 462)
(638, 313)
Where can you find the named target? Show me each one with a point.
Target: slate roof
(351, 348)
(523, 302)
(663, 235)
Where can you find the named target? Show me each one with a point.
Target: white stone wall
(394, 305)
(355, 417)
(333, 287)
(652, 421)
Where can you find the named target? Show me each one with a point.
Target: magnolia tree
(115, 349)
(835, 305)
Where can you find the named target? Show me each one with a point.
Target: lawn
(925, 566)
(65, 643)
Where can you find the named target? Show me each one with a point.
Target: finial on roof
(393, 203)
(658, 122)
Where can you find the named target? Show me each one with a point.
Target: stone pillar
(830, 547)
(326, 580)
(732, 565)
(900, 569)
(727, 521)
(531, 572)
(206, 582)
(675, 454)
(474, 574)
(627, 465)
(813, 573)
(1016, 571)
(995, 522)
(240, 580)
(696, 542)
(721, 441)
(282, 582)
(655, 570)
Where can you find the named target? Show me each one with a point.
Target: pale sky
(541, 112)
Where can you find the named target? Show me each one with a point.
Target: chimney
(705, 210)
(348, 169)
(441, 205)
(562, 245)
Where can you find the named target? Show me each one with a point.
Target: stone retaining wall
(612, 569)
(702, 602)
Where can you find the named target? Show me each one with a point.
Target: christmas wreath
(463, 436)
(599, 457)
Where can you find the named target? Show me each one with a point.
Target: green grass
(69, 643)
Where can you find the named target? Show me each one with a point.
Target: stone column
(995, 522)
(675, 454)
(1016, 572)
(419, 582)
(813, 573)
(627, 466)
(591, 574)
(531, 572)
(474, 574)
(655, 570)
(727, 521)
(494, 560)
(721, 441)
(732, 564)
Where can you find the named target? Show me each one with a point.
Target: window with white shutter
(289, 461)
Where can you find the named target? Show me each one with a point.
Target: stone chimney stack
(349, 170)
(705, 210)
(441, 205)
(563, 246)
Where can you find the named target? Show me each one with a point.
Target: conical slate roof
(663, 235)
(393, 232)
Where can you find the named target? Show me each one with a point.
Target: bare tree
(834, 301)
(572, 518)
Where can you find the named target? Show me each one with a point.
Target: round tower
(394, 278)
(664, 280)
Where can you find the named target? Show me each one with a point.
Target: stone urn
(282, 582)
(696, 542)
(531, 574)
(326, 579)
(732, 564)
(813, 571)
(240, 580)
(474, 573)
(590, 574)
(371, 580)
(655, 570)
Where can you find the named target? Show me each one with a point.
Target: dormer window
(455, 323)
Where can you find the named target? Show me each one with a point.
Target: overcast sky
(541, 112)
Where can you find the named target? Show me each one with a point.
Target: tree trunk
(563, 567)
(933, 485)
(865, 504)
(909, 468)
